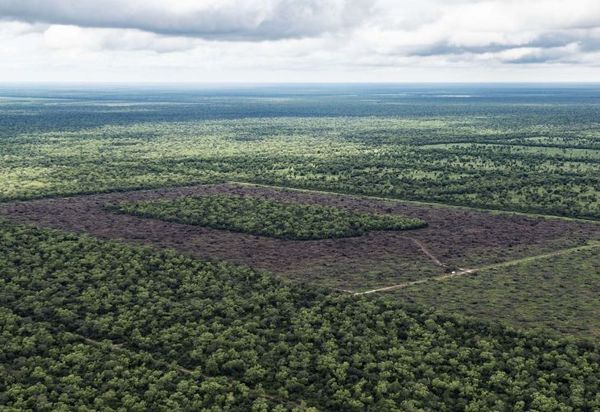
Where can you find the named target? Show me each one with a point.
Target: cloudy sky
(299, 40)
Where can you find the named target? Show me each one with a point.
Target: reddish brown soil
(457, 237)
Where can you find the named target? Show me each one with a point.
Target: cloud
(61, 37)
(295, 40)
(219, 20)
(535, 31)
(538, 55)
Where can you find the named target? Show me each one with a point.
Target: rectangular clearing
(454, 238)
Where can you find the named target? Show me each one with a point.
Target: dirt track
(454, 237)
(462, 272)
(427, 252)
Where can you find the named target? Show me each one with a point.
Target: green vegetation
(533, 166)
(559, 293)
(248, 337)
(45, 369)
(94, 325)
(267, 217)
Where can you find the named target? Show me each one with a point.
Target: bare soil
(454, 237)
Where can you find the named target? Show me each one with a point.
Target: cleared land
(559, 292)
(455, 237)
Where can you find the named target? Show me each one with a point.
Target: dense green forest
(270, 340)
(267, 217)
(44, 368)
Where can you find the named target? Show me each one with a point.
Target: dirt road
(462, 272)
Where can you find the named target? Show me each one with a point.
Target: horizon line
(292, 83)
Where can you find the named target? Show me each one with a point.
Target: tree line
(267, 217)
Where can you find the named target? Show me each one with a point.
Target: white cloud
(74, 37)
(299, 40)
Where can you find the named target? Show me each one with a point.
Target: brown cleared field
(455, 237)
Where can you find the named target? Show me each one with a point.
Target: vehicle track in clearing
(454, 239)
(427, 252)
(462, 272)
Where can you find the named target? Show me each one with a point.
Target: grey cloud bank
(219, 20)
(300, 40)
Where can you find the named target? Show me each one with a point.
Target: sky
(253, 41)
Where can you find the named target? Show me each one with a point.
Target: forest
(528, 154)
(46, 369)
(267, 217)
(250, 340)
(452, 262)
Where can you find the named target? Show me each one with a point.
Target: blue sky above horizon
(299, 41)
